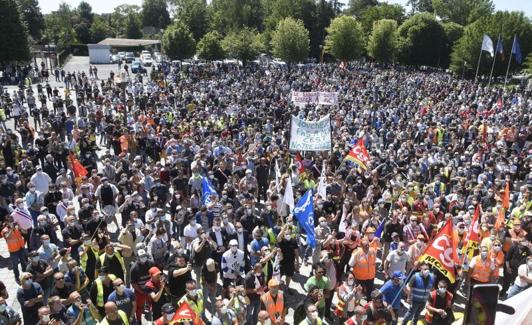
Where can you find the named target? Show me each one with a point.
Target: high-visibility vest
(120, 259)
(122, 316)
(15, 241)
(196, 306)
(99, 286)
(420, 292)
(85, 257)
(365, 264)
(482, 270)
(448, 304)
(274, 309)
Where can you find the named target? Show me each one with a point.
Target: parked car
(147, 60)
(122, 55)
(157, 57)
(136, 67)
(129, 57)
(114, 58)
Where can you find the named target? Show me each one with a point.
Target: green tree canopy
(14, 37)
(32, 17)
(60, 27)
(178, 42)
(382, 41)
(356, 7)
(421, 5)
(155, 14)
(507, 24)
(345, 39)
(99, 30)
(290, 41)
(462, 12)
(382, 11)
(453, 32)
(210, 47)
(244, 44)
(230, 15)
(192, 13)
(420, 40)
(126, 21)
(85, 12)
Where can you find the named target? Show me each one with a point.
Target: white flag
(288, 197)
(277, 177)
(487, 45)
(322, 186)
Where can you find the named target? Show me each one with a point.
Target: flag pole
(478, 64)
(494, 59)
(508, 69)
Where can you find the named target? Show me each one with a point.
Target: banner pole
(402, 286)
(478, 63)
(508, 69)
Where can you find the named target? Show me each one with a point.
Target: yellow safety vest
(122, 315)
(99, 286)
(85, 257)
(120, 259)
(196, 306)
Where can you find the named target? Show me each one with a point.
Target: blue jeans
(16, 258)
(515, 289)
(253, 311)
(413, 312)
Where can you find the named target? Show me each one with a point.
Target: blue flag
(516, 49)
(304, 212)
(499, 48)
(378, 232)
(208, 190)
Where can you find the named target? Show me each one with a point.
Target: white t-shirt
(523, 270)
(397, 262)
(191, 231)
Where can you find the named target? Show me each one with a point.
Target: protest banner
(310, 136)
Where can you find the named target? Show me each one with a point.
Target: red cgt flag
(299, 163)
(77, 167)
(185, 314)
(473, 236)
(441, 252)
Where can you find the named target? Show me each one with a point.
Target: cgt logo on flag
(441, 254)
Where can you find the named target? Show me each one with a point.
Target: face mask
(46, 242)
(234, 249)
(400, 251)
(120, 289)
(170, 316)
(101, 277)
(32, 190)
(28, 282)
(249, 211)
(20, 206)
(483, 255)
(2, 308)
(193, 293)
(441, 291)
(287, 237)
(193, 223)
(143, 259)
(87, 242)
(216, 228)
(350, 282)
(314, 315)
(35, 259)
(223, 310)
(46, 318)
(425, 273)
(226, 220)
(323, 224)
(240, 230)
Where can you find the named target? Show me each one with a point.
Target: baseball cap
(273, 283)
(168, 308)
(394, 234)
(398, 274)
(154, 270)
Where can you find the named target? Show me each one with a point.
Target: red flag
(506, 196)
(299, 163)
(185, 313)
(500, 219)
(473, 236)
(499, 103)
(359, 155)
(484, 133)
(441, 253)
(77, 167)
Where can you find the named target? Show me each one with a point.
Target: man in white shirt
(191, 231)
(524, 278)
(41, 180)
(397, 260)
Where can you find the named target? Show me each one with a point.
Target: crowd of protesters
(133, 240)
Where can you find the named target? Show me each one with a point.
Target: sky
(107, 6)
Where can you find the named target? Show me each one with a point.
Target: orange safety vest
(448, 304)
(15, 241)
(274, 309)
(365, 266)
(498, 257)
(482, 270)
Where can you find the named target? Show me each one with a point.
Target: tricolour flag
(359, 155)
(473, 237)
(440, 253)
(304, 212)
(207, 190)
(516, 50)
(487, 45)
(499, 48)
(298, 161)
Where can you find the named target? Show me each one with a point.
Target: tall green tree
(506, 24)
(210, 47)
(14, 36)
(126, 21)
(85, 12)
(382, 11)
(462, 12)
(453, 32)
(382, 44)
(99, 30)
(345, 40)
(421, 5)
(32, 17)
(132, 28)
(192, 13)
(290, 41)
(230, 15)
(421, 39)
(59, 27)
(244, 45)
(155, 14)
(356, 7)
(178, 42)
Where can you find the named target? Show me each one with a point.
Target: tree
(420, 40)
(133, 27)
(230, 15)
(126, 21)
(59, 27)
(192, 13)
(178, 42)
(210, 47)
(244, 44)
(83, 32)
(32, 17)
(382, 41)
(85, 12)
(345, 39)
(528, 64)
(462, 12)
(356, 7)
(99, 30)
(290, 41)
(382, 11)
(421, 5)
(14, 37)
(453, 32)
(507, 24)
(155, 14)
